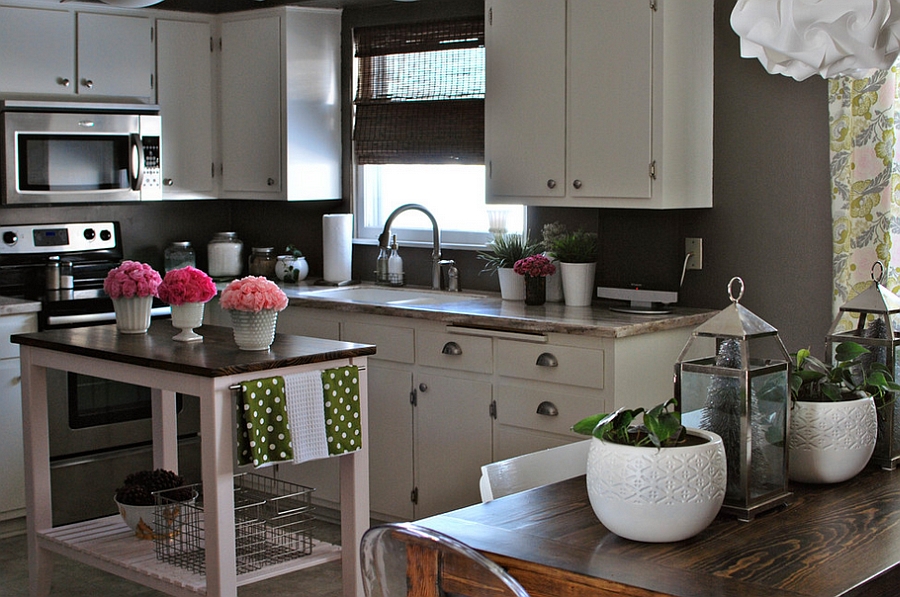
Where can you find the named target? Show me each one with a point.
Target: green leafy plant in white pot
(500, 256)
(577, 253)
(833, 417)
(655, 481)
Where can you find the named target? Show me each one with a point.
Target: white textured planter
(657, 495)
(512, 285)
(291, 269)
(578, 283)
(254, 330)
(133, 314)
(831, 442)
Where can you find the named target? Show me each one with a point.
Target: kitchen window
(419, 130)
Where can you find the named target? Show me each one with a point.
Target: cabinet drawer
(556, 364)
(14, 324)
(518, 407)
(391, 343)
(455, 351)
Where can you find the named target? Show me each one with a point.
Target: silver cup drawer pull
(451, 348)
(546, 359)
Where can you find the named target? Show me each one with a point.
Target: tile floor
(72, 579)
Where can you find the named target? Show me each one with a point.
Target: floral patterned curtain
(865, 176)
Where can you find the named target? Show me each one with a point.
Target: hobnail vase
(254, 330)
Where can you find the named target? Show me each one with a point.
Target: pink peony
(253, 293)
(131, 279)
(186, 285)
(536, 266)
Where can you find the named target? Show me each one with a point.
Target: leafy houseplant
(501, 254)
(576, 247)
(636, 473)
(834, 420)
(291, 266)
(577, 252)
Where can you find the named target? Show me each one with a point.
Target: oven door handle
(106, 317)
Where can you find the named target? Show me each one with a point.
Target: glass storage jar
(262, 262)
(179, 254)
(224, 252)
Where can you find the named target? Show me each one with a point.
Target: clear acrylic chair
(407, 560)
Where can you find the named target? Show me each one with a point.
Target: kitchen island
(207, 370)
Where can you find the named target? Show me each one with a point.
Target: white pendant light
(800, 38)
(131, 3)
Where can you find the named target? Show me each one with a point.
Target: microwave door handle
(137, 162)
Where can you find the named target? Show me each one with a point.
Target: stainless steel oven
(100, 430)
(78, 153)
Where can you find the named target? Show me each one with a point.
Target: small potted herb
(501, 255)
(577, 253)
(291, 266)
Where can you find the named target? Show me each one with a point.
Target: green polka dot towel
(264, 436)
(342, 420)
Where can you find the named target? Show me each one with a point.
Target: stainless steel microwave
(79, 153)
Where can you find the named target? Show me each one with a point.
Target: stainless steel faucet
(436, 262)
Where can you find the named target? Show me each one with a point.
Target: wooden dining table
(841, 539)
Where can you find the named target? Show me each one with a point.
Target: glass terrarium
(872, 319)
(732, 379)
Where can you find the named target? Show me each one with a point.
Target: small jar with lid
(179, 254)
(262, 262)
(225, 255)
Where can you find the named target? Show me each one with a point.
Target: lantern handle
(735, 299)
(880, 272)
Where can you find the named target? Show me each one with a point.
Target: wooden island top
(832, 540)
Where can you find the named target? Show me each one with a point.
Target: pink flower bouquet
(536, 266)
(186, 285)
(131, 279)
(253, 293)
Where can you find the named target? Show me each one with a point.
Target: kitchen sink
(393, 296)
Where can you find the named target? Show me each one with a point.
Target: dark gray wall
(770, 224)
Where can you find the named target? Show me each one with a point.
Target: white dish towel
(306, 415)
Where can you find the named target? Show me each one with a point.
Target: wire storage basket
(272, 524)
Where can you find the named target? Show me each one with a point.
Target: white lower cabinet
(444, 400)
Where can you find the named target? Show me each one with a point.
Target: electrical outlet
(694, 248)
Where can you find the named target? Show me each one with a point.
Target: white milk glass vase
(254, 330)
(133, 314)
(186, 317)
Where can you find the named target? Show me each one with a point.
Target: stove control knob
(105, 235)
(10, 237)
(89, 233)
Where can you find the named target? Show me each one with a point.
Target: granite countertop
(487, 310)
(14, 306)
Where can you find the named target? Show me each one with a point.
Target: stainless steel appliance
(76, 153)
(100, 430)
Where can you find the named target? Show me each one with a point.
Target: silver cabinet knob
(451, 348)
(64, 81)
(551, 184)
(168, 182)
(546, 359)
(576, 184)
(548, 409)
(87, 83)
(270, 182)
(423, 387)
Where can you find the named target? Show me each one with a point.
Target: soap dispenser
(395, 265)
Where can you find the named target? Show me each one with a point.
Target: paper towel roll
(337, 247)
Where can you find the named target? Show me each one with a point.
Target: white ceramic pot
(831, 442)
(657, 495)
(578, 283)
(133, 314)
(254, 330)
(143, 520)
(291, 269)
(186, 317)
(512, 285)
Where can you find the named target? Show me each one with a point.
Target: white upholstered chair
(533, 470)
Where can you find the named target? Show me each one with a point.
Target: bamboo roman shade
(420, 94)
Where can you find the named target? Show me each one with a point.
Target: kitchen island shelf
(109, 545)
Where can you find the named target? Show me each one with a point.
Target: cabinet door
(390, 441)
(12, 490)
(251, 105)
(525, 98)
(115, 55)
(37, 51)
(610, 80)
(185, 97)
(453, 441)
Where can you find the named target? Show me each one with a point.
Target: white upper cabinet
(116, 55)
(599, 103)
(280, 104)
(185, 98)
(61, 52)
(37, 51)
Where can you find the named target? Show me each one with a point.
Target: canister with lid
(179, 254)
(262, 262)
(224, 252)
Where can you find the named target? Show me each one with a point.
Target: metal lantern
(732, 378)
(872, 319)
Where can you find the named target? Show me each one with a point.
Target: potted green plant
(549, 233)
(833, 419)
(291, 266)
(653, 480)
(501, 255)
(577, 253)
